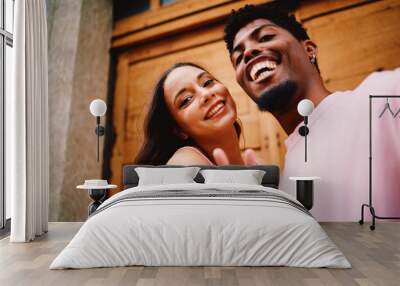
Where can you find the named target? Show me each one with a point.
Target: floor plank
(374, 255)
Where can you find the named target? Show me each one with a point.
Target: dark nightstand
(305, 190)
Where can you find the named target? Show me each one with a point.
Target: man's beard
(277, 99)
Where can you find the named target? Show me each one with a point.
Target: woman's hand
(249, 157)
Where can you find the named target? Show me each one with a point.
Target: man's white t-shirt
(338, 152)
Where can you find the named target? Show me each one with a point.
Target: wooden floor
(374, 255)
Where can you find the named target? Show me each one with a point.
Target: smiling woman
(191, 114)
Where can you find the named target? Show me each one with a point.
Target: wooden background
(354, 38)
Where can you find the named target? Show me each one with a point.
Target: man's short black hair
(240, 18)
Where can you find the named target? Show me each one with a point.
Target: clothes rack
(369, 205)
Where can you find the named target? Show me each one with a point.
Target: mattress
(201, 225)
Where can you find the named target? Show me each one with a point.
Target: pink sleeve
(397, 78)
(381, 83)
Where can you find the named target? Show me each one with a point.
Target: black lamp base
(303, 130)
(100, 130)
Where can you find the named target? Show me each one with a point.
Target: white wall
(79, 42)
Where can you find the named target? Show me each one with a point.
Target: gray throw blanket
(206, 193)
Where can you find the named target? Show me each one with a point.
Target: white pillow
(163, 176)
(248, 177)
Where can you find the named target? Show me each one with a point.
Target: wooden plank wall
(354, 39)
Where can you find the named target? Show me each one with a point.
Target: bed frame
(271, 178)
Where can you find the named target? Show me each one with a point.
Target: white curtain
(27, 153)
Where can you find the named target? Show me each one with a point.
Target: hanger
(397, 113)
(387, 106)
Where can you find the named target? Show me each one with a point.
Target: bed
(201, 224)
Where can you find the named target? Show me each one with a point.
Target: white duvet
(207, 230)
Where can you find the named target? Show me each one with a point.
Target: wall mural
(205, 97)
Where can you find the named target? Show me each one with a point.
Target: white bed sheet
(200, 231)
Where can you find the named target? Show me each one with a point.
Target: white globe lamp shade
(98, 107)
(305, 107)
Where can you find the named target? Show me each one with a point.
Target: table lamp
(305, 108)
(98, 108)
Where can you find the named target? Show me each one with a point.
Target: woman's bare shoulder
(189, 155)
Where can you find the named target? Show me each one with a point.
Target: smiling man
(275, 63)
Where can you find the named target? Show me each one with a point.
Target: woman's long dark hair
(160, 129)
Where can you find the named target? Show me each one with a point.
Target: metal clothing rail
(370, 206)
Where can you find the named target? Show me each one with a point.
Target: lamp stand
(100, 130)
(303, 131)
